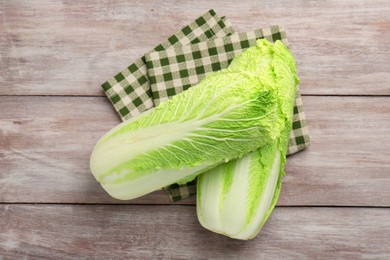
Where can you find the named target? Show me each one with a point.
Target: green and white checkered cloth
(129, 91)
(207, 44)
(176, 69)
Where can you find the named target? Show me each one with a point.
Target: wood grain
(45, 144)
(173, 232)
(71, 47)
(50, 50)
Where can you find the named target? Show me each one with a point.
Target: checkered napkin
(207, 44)
(129, 91)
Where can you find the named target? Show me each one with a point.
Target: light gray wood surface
(161, 232)
(71, 47)
(55, 54)
(47, 141)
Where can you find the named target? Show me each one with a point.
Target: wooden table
(54, 56)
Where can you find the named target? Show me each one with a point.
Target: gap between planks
(178, 204)
(304, 95)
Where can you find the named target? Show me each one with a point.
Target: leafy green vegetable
(227, 115)
(236, 198)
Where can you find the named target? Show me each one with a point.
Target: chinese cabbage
(227, 115)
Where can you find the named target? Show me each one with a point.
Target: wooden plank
(173, 232)
(71, 47)
(45, 144)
